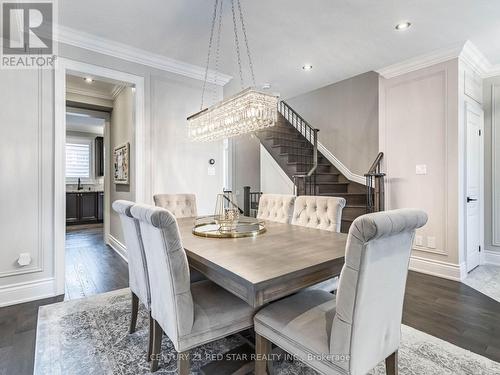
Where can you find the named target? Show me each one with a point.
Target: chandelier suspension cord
(217, 51)
(246, 42)
(237, 42)
(209, 51)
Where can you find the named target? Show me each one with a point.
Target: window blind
(77, 160)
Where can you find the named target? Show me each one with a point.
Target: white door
(474, 175)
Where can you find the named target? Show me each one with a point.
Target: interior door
(474, 125)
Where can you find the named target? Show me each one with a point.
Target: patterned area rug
(90, 336)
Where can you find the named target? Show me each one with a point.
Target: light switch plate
(211, 170)
(431, 242)
(421, 169)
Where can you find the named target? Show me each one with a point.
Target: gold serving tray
(207, 226)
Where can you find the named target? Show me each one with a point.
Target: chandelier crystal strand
(237, 43)
(217, 51)
(248, 111)
(208, 54)
(246, 43)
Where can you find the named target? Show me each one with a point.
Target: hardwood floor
(445, 309)
(91, 268)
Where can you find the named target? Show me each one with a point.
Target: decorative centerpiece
(226, 212)
(227, 222)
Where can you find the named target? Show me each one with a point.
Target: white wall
(346, 113)
(491, 95)
(272, 178)
(419, 125)
(26, 172)
(121, 131)
(181, 166)
(27, 152)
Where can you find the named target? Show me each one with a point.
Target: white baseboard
(437, 268)
(340, 166)
(118, 247)
(491, 257)
(28, 291)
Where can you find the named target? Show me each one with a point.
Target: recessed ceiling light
(88, 79)
(266, 86)
(307, 67)
(403, 25)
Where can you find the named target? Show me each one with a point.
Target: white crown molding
(340, 166)
(117, 90)
(93, 94)
(122, 51)
(421, 62)
(466, 52)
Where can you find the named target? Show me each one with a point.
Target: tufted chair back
(367, 323)
(137, 269)
(318, 212)
(181, 205)
(276, 207)
(171, 300)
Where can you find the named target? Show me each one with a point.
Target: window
(78, 160)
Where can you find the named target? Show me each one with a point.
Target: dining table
(266, 267)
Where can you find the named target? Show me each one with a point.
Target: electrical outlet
(419, 241)
(431, 242)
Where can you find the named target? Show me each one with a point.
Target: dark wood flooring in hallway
(445, 309)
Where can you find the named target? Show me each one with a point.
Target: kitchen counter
(87, 190)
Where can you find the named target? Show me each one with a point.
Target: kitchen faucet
(80, 187)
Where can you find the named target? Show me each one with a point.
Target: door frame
(142, 171)
(472, 106)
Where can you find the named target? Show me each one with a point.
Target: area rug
(90, 336)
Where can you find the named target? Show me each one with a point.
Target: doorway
(99, 96)
(474, 184)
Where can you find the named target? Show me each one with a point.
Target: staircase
(291, 144)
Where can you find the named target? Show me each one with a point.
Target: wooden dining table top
(260, 269)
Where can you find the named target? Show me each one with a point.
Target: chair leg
(135, 310)
(391, 364)
(183, 363)
(150, 343)
(262, 354)
(155, 355)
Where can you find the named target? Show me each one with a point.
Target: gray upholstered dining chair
(181, 205)
(323, 213)
(137, 269)
(190, 314)
(354, 331)
(276, 207)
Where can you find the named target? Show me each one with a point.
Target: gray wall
(122, 131)
(491, 107)
(346, 113)
(419, 125)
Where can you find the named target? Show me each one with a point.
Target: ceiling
(98, 88)
(339, 38)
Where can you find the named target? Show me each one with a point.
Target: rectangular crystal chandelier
(248, 111)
